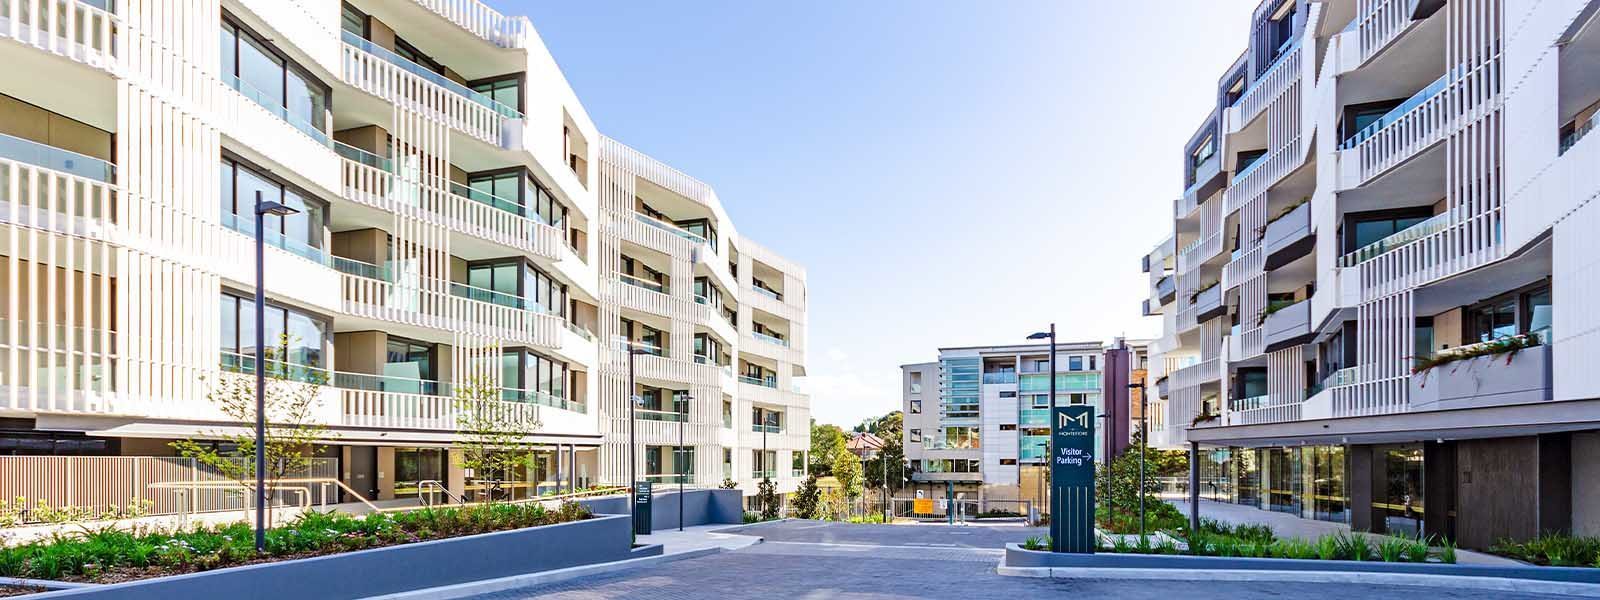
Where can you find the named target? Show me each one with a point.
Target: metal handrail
(426, 489)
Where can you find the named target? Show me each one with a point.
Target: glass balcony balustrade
(669, 228)
(275, 106)
(769, 381)
(643, 283)
(246, 224)
(1400, 238)
(770, 339)
(56, 159)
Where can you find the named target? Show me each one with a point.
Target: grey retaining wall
(393, 569)
(700, 507)
(1016, 556)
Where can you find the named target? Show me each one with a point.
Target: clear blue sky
(951, 173)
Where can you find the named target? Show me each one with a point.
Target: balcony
(1410, 234)
(665, 416)
(1207, 181)
(766, 382)
(770, 339)
(1208, 303)
(370, 180)
(85, 31)
(1288, 237)
(1516, 377)
(643, 283)
(1287, 325)
(999, 378)
(766, 292)
(462, 290)
(274, 106)
(1398, 135)
(370, 291)
(247, 226)
(485, 22)
(1271, 83)
(56, 159)
(1572, 139)
(430, 76)
(1166, 290)
(670, 228)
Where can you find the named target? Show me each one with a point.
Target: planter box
(1016, 557)
(1290, 326)
(1289, 237)
(392, 569)
(1208, 304)
(1484, 381)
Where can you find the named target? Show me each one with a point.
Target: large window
(519, 279)
(409, 363)
(1521, 312)
(290, 335)
(664, 462)
(527, 376)
(300, 233)
(260, 72)
(702, 228)
(353, 20)
(1364, 229)
(505, 90)
(961, 437)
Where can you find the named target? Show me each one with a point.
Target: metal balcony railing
(430, 76)
(1394, 114)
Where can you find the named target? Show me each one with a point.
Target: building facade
(977, 420)
(1376, 296)
(457, 221)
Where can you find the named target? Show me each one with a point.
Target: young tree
(767, 496)
(887, 427)
(494, 434)
(291, 433)
(847, 469)
(827, 441)
(807, 497)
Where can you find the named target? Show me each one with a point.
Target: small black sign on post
(1072, 479)
(642, 496)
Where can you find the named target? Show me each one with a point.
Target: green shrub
(118, 554)
(1294, 548)
(1447, 551)
(1553, 549)
(1393, 549)
(1351, 546)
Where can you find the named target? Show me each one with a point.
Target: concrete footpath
(692, 542)
(1289, 526)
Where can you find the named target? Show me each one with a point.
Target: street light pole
(883, 467)
(262, 209)
(1144, 442)
(682, 417)
(1050, 445)
(633, 516)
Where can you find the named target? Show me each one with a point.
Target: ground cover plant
(109, 555)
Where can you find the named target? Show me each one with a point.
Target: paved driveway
(810, 560)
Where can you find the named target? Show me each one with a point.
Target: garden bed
(1019, 557)
(330, 556)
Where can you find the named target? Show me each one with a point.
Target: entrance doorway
(363, 472)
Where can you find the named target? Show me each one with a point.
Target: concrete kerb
(488, 586)
(1179, 568)
(1525, 586)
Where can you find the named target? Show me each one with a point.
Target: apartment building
(1376, 296)
(977, 419)
(456, 218)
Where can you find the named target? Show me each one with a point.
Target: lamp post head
(274, 208)
(1043, 335)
